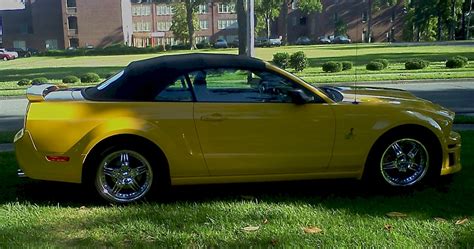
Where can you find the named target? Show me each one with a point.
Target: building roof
(11, 4)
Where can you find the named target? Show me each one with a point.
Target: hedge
(24, 82)
(332, 67)
(281, 60)
(71, 79)
(90, 78)
(298, 61)
(375, 66)
(415, 64)
(347, 65)
(41, 80)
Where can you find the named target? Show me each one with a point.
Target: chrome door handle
(212, 117)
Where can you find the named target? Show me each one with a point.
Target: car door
(248, 125)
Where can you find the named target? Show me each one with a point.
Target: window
(163, 26)
(393, 16)
(202, 39)
(227, 24)
(71, 3)
(364, 16)
(163, 10)
(72, 22)
(203, 9)
(74, 43)
(51, 44)
(141, 10)
(204, 24)
(19, 44)
(226, 8)
(234, 85)
(178, 91)
(303, 21)
(141, 26)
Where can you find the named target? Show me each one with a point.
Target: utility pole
(468, 26)
(251, 28)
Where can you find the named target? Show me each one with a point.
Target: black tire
(403, 160)
(125, 173)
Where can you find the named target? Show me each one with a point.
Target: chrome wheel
(124, 176)
(404, 162)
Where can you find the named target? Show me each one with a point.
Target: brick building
(387, 22)
(152, 22)
(59, 24)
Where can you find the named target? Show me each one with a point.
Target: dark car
(221, 43)
(341, 40)
(21, 52)
(303, 40)
(324, 40)
(262, 42)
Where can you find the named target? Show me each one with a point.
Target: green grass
(7, 136)
(55, 68)
(42, 214)
(464, 119)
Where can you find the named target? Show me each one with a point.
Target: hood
(390, 96)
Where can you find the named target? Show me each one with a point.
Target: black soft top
(143, 80)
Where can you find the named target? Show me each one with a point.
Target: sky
(11, 4)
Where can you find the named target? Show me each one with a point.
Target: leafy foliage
(70, 79)
(416, 64)
(332, 67)
(347, 65)
(298, 61)
(282, 60)
(455, 63)
(310, 6)
(179, 24)
(90, 78)
(374, 66)
(384, 62)
(40, 80)
(24, 82)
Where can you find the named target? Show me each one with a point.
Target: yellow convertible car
(204, 118)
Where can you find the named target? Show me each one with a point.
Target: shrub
(415, 64)
(298, 61)
(332, 67)
(109, 75)
(70, 79)
(463, 58)
(281, 60)
(90, 78)
(455, 63)
(24, 82)
(37, 81)
(374, 66)
(61, 85)
(384, 62)
(347, 65)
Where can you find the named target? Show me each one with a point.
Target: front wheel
(124, 175)
(402, 161)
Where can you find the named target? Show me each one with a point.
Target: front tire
(124, 174)
(402, 161)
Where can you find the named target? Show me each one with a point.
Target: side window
(234, 85)
(178, 91)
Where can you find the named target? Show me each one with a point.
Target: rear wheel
(402, 161)
(124, 174)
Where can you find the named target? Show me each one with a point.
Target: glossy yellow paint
(244, 142)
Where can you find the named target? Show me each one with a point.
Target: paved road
(455, 95)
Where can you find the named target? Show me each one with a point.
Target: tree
(375, 6)
(306, 6)
(180, 25)
(266, 11)
(191, 7)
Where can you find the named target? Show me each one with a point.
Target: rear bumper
(33, 164)
(452, 154)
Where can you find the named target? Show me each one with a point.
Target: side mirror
(299, 97)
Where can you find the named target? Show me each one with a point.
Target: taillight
(59, 159)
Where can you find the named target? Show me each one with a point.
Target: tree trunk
(242, 21)
(452, 26)
(267, 27)
(440, 25)
(189, 19)
(369, 22)
(468, 25)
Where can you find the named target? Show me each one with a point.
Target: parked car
(6, 57)
(262, 42)
(324, 40)
(275, 41)
(303, 40)
(21, 52)
(221, 43)
(212, 118)
(13, 54)
(234, 43)
(341, 40)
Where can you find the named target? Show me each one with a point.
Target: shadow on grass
(54, 73)
(392, 57)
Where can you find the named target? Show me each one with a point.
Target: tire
(403, 161)
(125, 174)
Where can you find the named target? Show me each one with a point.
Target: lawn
(41, 214)
(55, 68)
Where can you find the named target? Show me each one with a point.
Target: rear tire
(125, 173)
(402, 161)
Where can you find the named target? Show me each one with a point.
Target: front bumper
(452, 154)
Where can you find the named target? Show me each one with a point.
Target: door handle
(212, 117)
